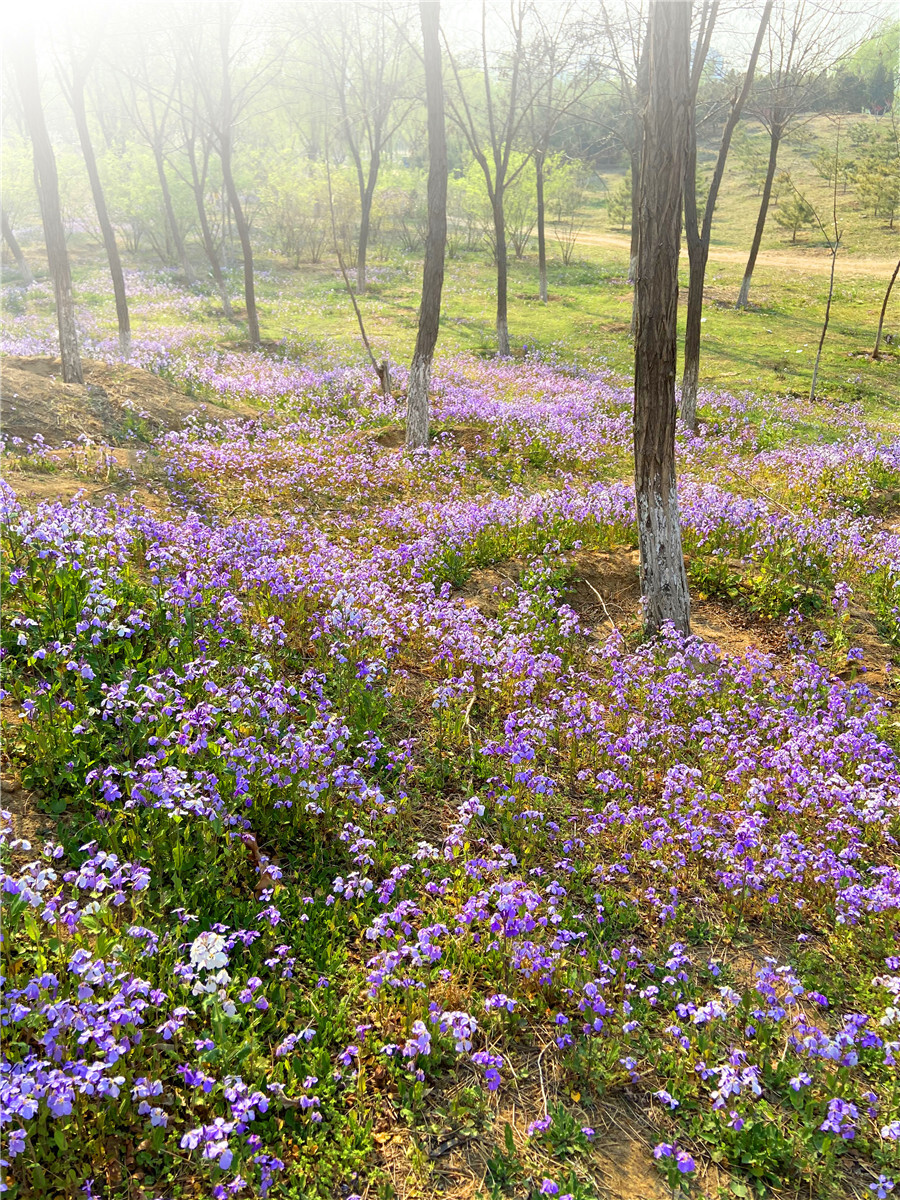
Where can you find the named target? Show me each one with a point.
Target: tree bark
(502, 275)
(666, 123)
(24, 59)
(15, 249)
(541, 232)
(417, 412)
(698, 242)
(635, 205)
(76, 98)
(774, 143)
(887, 296)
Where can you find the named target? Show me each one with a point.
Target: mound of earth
(115, 406)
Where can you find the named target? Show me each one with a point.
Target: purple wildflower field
(374, 830)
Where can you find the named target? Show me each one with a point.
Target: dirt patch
(470, 438)
(117, 405)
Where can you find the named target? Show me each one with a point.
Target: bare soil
(101, 429)
(117, 405)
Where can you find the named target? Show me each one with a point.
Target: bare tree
(227, 93)
(621, 37)
(73, 82)
(803, 41)
(150, 100)
(15, 249)
(493, 134)
(561, 77)
(665, 135)
(198, 147)
(24, 58)
(364, 51)
(417, 414)
(698, 239)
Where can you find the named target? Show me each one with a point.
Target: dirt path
(817, 262)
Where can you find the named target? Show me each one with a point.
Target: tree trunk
(774, 142)
(502, 274)
(24, 59)
(15, 249)
(815, 374)
(171, 221)
(109, 236)
(666, 122)
(690, 380)
(244, 237)
(209, 246)
(417, 414)
(542, 238)
(698, 247)
(365, 220)
(887, 296)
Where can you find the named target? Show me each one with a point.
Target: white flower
(207, 951)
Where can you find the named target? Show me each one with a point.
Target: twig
(541, 1078)
(603, 604)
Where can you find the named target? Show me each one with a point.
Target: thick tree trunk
(541, 232)
(774, 143)
(698, 246)
(666, 123)
(243, 232)
(171, 220)
(24, 59)
(109, 236)
(887, 296)
(502, 274)
(15, 249)
(417, 412)
(209, 246)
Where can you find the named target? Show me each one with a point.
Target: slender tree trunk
(541, 232)
(243, 232)
(109, 236)
(502, 273)
(171, 220)
(365, 220)
(774, 143)
(15, 249)
(887, 296)
(209, 246)
(417, 413)
(815, 374)
(666, 123)
(690, 380)
(24, 59)
(698, 246)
